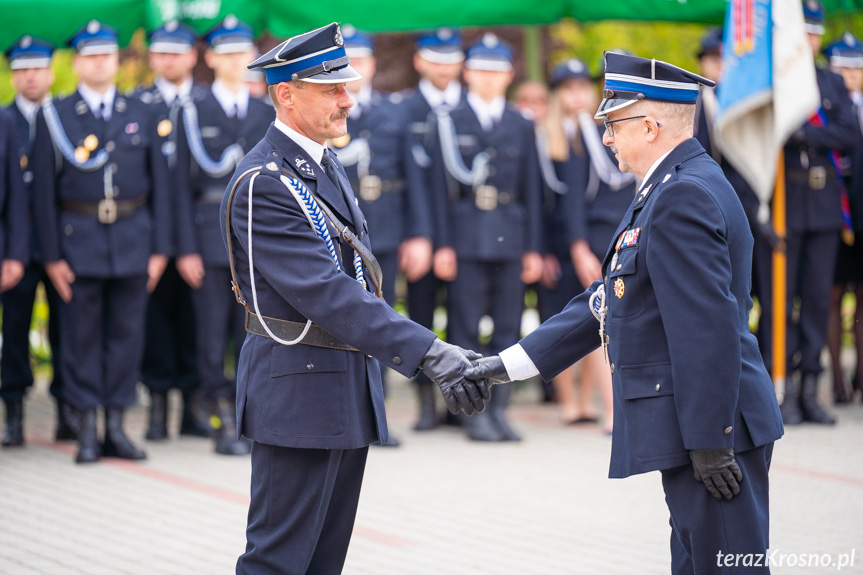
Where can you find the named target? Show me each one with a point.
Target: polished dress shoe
(483, 427)
(13, 435)
(193, 424)
(225, 429)
(88, 441)
(813, 412)
(67, 422)
(428, 419)
(158, 428)
(497, 408)
(116, 443)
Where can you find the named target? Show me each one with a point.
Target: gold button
(397, 360)
(727, 430)
(657, 387)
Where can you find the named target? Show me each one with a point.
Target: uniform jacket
(199, 194)
(91, 248)
(403, 212)
(304, 396)
(511, 229)
(686, 371)
(14, 224)
(820, 209)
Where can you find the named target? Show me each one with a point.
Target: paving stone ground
(540, 507)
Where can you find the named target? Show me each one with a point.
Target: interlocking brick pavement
(438, 505)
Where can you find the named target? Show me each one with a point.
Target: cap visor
(169, 48)
(488, 65)
(97, 49)
(233, 47)
(29, 63)
(610, 105)
(346, 74)
(455, 56)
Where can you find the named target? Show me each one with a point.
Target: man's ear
(285, 94)
(651, 128)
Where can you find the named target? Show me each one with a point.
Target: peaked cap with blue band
(845, 53)
(357, 44)
(813, 16)
(443, 46)
(318, 57)
(490, 54)
(230, 36)
(572, 69)
(94, 38)
(172, 37)
(29, 52)
(711, 43)
(629, 79)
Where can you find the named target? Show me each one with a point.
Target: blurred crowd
(111, 202)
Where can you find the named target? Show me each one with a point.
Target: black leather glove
(490, 369)
(718, 471)
(446, 365)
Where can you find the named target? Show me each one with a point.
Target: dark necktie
(102, 111)
(333, 174)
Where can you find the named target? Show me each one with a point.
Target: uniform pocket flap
(625, 264)
(650, 380)
(287, 360)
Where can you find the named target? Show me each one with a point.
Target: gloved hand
(446, 365)
(490, 369)
(718, 471)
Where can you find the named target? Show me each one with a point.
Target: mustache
(341, 114)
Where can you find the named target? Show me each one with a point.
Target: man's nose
(607, 138)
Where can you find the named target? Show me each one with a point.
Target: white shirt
(170, 91)
(436, 98)
(518, 364)
(362, 99)
(228, 99)
(94, 98)
(486, 112)
(28, 108)
(311, 147)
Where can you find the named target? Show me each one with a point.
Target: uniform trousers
(702, 527)
(811, 257)
(18, 303)
(169, 352)
(481, 288)
(422, 301)
(302, 511)
(218, 319)
(102, 340)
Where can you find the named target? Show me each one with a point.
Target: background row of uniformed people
(517, 204)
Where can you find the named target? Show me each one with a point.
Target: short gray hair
(271, 90)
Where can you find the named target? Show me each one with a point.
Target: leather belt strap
(290, 330)
(121, 208)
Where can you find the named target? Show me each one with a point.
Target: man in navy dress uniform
(169, 352)
(380, 166)
(691, 395)
(218, 127)
(487, 196)
(813, 184)
(100, 183)
(438, 60)
(309, 391)
(30, 62)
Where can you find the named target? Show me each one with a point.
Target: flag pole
(779, 282)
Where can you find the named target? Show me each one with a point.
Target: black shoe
(67, 422)
(158, 428)
(790, 408)
(225, 429)
(497, 410)
(193, 424)
(13, 436)
(116, 443)
(88, 442)
(809, 405)
(428, 419)
(482, 427)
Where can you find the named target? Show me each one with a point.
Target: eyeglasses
(609, 124)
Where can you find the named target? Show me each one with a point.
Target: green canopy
(56, 20)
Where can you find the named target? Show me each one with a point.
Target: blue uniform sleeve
(690, 268)
(183, 200)
(438, 192)
(290, 257)
(532, 190)
(419, 210)
(44, 189)
(842, 123)
(15, 211)
(574, 205)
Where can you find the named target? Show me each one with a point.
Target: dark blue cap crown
(629, 79)
(443, 46)
(711, 43)
(357, 44)
(571, 69)
(490, 53)
(845, 53)
(230, 36)
(318, 56)
(94, 38)
(29, 52)
(813, 14)
(172, 37)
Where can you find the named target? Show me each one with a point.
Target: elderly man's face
(625, 136)
(321, 110)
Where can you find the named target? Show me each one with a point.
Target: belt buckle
(486, 197)
(817, 177)
(107, 211)
(370, 188)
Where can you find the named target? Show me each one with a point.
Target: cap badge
(348, 30)
(444, 34)
(230, 22)
(337, 36)
(26, 41)
(849, 39)
(93, 27)
(171, 26)
(575, 66)
(490, 40)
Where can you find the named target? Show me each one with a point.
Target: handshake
(464, 377)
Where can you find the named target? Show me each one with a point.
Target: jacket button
(727, 430)
(612, 368)
(657, 387)
(397, 360)
(618, 267)
(310, 366)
